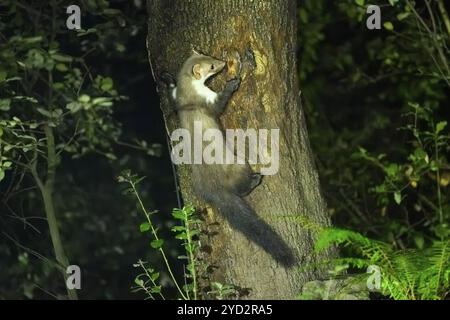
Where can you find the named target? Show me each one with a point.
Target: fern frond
(405, 274)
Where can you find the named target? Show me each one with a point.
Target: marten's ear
(196, 71)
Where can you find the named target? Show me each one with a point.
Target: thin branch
(444, 15)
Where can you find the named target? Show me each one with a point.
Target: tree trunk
(261, 35)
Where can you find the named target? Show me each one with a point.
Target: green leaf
(111, 156)
(194, 233)
(25, 98)
(74, 106)
(107, 84)
(7, 164)
(139, 282)
(155, 276)
(181, 236)
(62, 58)
(8, 147)
(44, 112)
(440, 126)
(178, 228)
(157, 244)
(434, 166)
(388, 25)
(179, 215)
(402, 16)
(4, 104)
(217, 285)
(156, 289)
(418, 239)
(144, 227)
(360, 2)
(103, 101)
(419, 153)
(392, 169)
(58, 85)
(83, 33)
(120, 47)
(398, 197)
(442, 230)
(61, 67)
(84, 98)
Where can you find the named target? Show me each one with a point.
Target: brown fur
(221, 185)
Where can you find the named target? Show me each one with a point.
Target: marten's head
(202, 67)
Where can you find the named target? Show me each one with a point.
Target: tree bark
(262, 36)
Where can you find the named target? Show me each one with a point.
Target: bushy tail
(241, 217)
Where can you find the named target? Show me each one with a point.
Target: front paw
(233, 85)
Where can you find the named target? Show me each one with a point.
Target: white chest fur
(203, 91)
(174, 93)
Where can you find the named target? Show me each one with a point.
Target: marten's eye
(212, 67)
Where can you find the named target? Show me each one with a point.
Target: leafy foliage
(426, 164)
(376, 104)
(187, 232)
(405, 274)
(59, 137)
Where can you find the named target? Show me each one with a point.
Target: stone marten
(220, 185)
